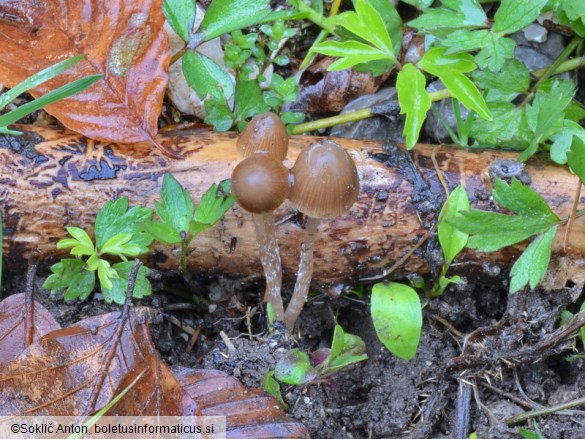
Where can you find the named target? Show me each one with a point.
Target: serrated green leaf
(228, 15)
(564, 139)
(436, 62)
(495, 53)
(414, 101)
(504, 125)
(514, 15)
(180, 14)
(454, 14)
(177, 207)
(117, 293)
(294, 368)
(80, 235)
(70, 274)
(163, 232)
(531, 266)
(397, 316)
(105, 274)
(350, 53)
(248, 101)
(92, 262)
(115, 218)
(392, 21)
(505, 85)
(451, 239)
(271, 386)
(206, 77)
(115, 245)
(521, 199)
(218, 114)
(464, 40)
(576, 158)
(213, 205)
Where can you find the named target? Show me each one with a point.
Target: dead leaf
(124, 40)
(78, 370)
(328, 92)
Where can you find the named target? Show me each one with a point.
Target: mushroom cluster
(323, 183)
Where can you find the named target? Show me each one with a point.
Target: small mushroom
(324, 184)
(265, 133)
(260, 183)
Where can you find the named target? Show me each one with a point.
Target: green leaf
(105, 274)
(228, 15)
(495, 53)
(71, 275)
(53, 96)
(37, 79)
(177, 207)
(114, 218)
(514, 15)
(163, 232)
(117, 293)
(576, 158)
(464, 40)
(492, 231)
(271, 386)
(207, 77)
(294, 368)
(505, 85)
(350, 53)
(504, 125)
(118, 245)
(564, 139)
(527, 434)
(248, 101)
(449, 69)
(414, 101)
(531, 266)
(367, 24)
(392, 21)
(338, 342)
(214, 203)
(396, 313)
(343, 361)
(455, 14)
(419, 4)
(452, 240)
(180, 14)
(218, 114)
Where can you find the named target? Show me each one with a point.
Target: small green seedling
(566, 316)
(119, 233)
(490, 231)
(180, 221)
(297, 367)
(49, 98)
(397, 316)
(452, 240)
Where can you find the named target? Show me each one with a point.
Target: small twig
(29, 302)
(227, 341)
(449, 326)
(462, 412)
(510, 422)
(572, 215)
(175, 321)
(508, 395)
(439, 172)
(193, 339)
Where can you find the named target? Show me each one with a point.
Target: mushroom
(265, 133)
(324, 184)
(260, 183)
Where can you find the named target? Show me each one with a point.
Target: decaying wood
(52, 178)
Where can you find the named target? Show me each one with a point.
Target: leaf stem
(354, 116)
(567, 66)
(316, 18)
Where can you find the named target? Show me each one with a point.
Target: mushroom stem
(270, 259)
(304, 275)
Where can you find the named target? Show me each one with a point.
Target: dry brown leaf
(123, 39)
(78, 370)
(12, 327)
(328, 92)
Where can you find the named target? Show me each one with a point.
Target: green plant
(52, 96)
(397, 316)
(244, 53)
(297, 367)
(118, 232)
(121, 233)
(180, 221)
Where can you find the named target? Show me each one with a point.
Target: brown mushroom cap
(260, 183)
(266, 134)
(325, 180)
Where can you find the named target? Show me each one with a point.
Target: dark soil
(383, 397)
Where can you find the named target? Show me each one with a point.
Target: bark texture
(52, 178)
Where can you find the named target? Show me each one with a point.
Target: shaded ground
(384, 397)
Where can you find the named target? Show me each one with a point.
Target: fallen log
(52, 178)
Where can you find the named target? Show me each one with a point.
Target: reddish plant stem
(270, 259)
(304, 275)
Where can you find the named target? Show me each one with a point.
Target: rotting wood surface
(52, 178)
